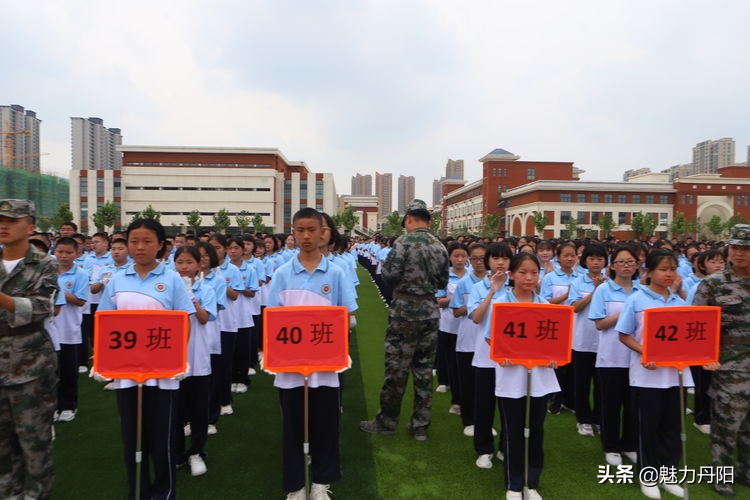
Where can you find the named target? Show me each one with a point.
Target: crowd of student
(634, 408)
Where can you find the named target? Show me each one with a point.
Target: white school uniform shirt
(199, 349)
(631, 323)
(228, 316)
(260, 276)
(556, 283)
(220, 294)
(448, 322)
(467, 329)
(292, 285)
(482, 348)
(161, 290)
(49, 322)
(585, 334)
(68, 322)
(244, 307)
(609, 298)
(510, 382)
(93, 266)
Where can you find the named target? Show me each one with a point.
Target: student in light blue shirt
(310, 279)
(147, 284)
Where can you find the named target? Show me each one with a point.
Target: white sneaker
(631, 455)
(110, 386)
(455, 410)
(469, 431)
(83, 369)
(187, 430)
(673, 489)
(233, 388)
(197, 465)
(484, 461)
(533, 495)
(614, 459)
(251, 371)
(494, 432)
(260, 357)
(226, 410)
(55, 416)
(441, 388)
(500, 456)
(434, 372)
(297, 495)
(66, 416)
(650, 491)
(212, 429)
(585, 430)
(513, 495)
(320, 491)
(704, 428)
(241, 388)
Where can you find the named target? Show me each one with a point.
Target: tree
(222, 221)
(151, 213)
(606, 224)
(336, 219)
(43, 223)
(194, 220)
(257, 223)
(490, 226)
(642, 224)
(733, 221)
(243, 220)
(436, 222)
(106, 216)
(694, 226)
(62, 216)
(678, 227)
(572, 227)
(715, 226)
(348, 219)
(392, 226)
(541, 221)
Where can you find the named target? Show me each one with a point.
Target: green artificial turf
(244, 458)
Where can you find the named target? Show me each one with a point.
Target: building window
(622, 217)
(319, 190)
(581, 218)
(649, 198)
(636, 198)
(595, 217)
(663, 219)
(565, 197)
(531, 174)
(287, 190)
(607, 198)
(664, 199)
(100, 186)
(581, 198)
(622, 198)
(84, 186)
(594, 198)
(303, 191)
(117, 188)
(564, 216)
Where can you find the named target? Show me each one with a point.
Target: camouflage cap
(739, 235)
(17, 208)
(416, 205)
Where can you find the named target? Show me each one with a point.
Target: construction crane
(9, 160)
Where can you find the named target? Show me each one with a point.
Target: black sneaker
(373, 427)
(420, 434)
(724, 489)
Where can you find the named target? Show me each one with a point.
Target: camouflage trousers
(409, 347)
(26, 412)
(730, 421)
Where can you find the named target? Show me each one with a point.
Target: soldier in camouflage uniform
(730, 384)
(28, 365)
(416, 268)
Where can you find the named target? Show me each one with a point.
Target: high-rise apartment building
(19, 141)
(437, 191)
(362, 185)
(709, 156)
(454, 169)
(405, 192)
(94, 146)
(384, 192)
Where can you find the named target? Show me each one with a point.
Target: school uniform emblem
(326, 289)
(69, 284)
(160, 287)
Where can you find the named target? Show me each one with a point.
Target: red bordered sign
(140, 345)
(531, 334)
(305, 339)
(681, 336)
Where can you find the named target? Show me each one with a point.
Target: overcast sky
(389, 86)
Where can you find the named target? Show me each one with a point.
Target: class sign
(305, 339)
(140, 345)
(681, 336)
(531, 334)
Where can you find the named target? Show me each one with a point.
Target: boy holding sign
(305, 280)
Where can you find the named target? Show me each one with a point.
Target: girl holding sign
(613, 358)
(656, 390)
(511, 389)
(195, 389)
(148, 284)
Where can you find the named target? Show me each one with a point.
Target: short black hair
(71, 224)
(151, 225)
(213, 257)
(67, 241)
(593, 250)
(307, 213)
